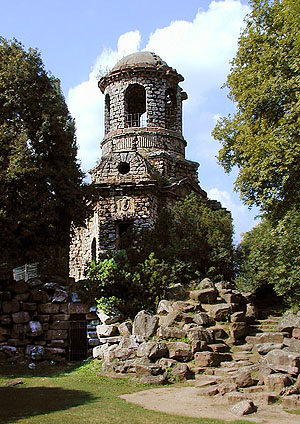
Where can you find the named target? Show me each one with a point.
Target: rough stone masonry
(143, 161)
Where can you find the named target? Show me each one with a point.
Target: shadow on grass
(16, 370)
(21, 402)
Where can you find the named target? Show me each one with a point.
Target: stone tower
(143, 161)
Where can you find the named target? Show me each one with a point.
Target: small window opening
(135, 106)
(93, 250)
(124, 168)
(171, 108)
(107, 113)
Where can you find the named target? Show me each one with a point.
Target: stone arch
(135, 105)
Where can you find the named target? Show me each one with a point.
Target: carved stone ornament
(125, 206)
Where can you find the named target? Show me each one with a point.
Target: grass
(77, 395)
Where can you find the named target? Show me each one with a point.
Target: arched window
(135, 106)
(93, 250)
(171, 108)
(107, 113)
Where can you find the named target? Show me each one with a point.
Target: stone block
(56, 334)
(244, 407)
(208, 295)
(131, 341)
(210, 359)
(78, 308)
(59, 325)
(171, 333)
(202, 318)
(48, 308)
(5, 319)
(125, 328)
(35, 328)
(291, 402)
(36, 295)
(264, 348)
(9, 307)
(220, 311)
(182, 306)
(152, 350)
(21, 317)
(111, 318)
(164, 307)
(18, 287)
(181, 372)
(155, 379)
(288, 322)
(29, 306)
(200, 334)
(180, 351)
(276, 382)
(105, 330)
(238, 330)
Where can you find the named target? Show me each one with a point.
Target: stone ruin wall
(112, 208)
(35, 320)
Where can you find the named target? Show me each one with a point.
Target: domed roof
(144, 59)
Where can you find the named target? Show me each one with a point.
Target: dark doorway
(77, 337)
(124, 234)
(135, 105)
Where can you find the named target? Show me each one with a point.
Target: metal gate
(77, 338)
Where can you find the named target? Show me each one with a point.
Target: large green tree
(262, 138)
(40, 179)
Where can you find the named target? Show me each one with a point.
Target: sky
(79, 40)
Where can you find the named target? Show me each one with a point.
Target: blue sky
(78, 38)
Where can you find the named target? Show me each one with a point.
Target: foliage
(40, 179)
(195, 239)
(270, 254)
(262, 138)
(116, 283)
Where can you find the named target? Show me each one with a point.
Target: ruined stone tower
(143, 160)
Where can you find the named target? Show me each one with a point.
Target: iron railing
(135, 120)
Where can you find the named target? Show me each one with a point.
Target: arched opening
(107, 113)
(135, 106)
(171, 108)
(93, 250)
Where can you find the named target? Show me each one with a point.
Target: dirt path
(185, 401)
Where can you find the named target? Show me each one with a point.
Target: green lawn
(76, 395)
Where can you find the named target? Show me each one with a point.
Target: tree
(262, 137)
(269, 254)
(40, 178)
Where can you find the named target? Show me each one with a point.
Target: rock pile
(159, 348)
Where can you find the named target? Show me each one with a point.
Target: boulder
(244, 407)
(200, 334)
(238, 330)
(291, 402)
(124, 366)
(124, 353)
(293, 345)
(171, 333)
(176, 291)
(182, 306)
(280, 360)
(251, 313)
(152, 350)
(288, 322)
(243, 378)
(220, 312)
(60, 296)
(202, 318)
(131, 341)
(180, 351)
(238, 317)
(9, 307)
(200, 346)
(227, 388)
(296, 333)
(125, 328)
(210, 359)
(276, 382)
(167, 362)
(176, 317)
(144, 324)
(208, 295)
(98, 350)
(105, 330)
(155, 379)
(110, 318)
(181, 372)
(146, 368)
(231, 296)
(264, 348)
(206, 283)
(164, 307)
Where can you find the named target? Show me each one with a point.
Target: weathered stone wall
(113, 207)
(35, 318)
